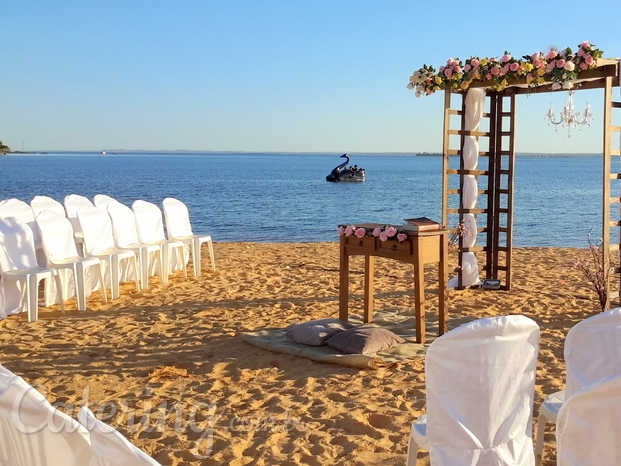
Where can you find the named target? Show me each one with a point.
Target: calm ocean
(285, 198)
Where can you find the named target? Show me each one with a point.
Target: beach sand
(168, 366)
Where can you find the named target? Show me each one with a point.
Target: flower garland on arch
(560, 67)
(388, 232)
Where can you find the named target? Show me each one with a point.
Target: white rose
(556, 86)
(410, 86)
(420, 87)
(569, 65)
(568, 85)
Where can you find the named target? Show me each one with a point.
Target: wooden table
(420, 248)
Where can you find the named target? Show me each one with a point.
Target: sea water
(285, 197)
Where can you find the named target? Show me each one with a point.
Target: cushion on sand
(316, 332)
(364, 340)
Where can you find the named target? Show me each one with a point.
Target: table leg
(419, 293)
(442, 286)
(369, 288)
(343, 284)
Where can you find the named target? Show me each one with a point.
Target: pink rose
(551, 65)
(441, 69)
(467, 68)
(496, 70)
(377, 232)
(581, 53)
(383, 236)
(505, 58)
(585, 45)
(536, 63)
(350, 230)
(488, 76)
(360, 232)
(505, 69)
(458, 69)
(402, 236)
(552, 54)
(390, 231)
(589, 60)
(536, 56)
(514, 66)
(560, 63)
(583, 66)
(474, 62)
(448, 72)
(341, 231)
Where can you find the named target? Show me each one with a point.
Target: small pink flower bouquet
(388, 232)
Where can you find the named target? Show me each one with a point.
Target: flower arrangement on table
(388, 232)
(560, 67)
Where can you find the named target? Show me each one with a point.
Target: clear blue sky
(261, 75)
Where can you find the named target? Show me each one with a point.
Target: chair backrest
(587, 426)
(111, 448)
(101, 201)
(17, 250)
(177, 218)
(480, 388)
(57, 236)
(123, 224)
(72, 203)
(593, 350)
(96, 227)
(34, 433)
(22, 211)
(149, 221)
(41, 203)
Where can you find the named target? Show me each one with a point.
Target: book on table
(422, 224)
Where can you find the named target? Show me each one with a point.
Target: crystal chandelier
(568, 118)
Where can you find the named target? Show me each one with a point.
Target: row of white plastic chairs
(34, 433)
(40, 241)
(480, 380)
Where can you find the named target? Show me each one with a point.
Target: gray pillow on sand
(316, 332)
(364, 340)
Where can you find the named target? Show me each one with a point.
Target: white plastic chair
(73, 202)
(111, 448)
(96, 227)
(34, 433)
(179, 228)
(588, 427)
(125, 233)
(101, 201)
(22, 211)
(61, 252)
(41, 203)
(592, 353)
(480, 381)
(19, 270)
(150, 226)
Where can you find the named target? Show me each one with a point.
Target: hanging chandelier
(569, 118)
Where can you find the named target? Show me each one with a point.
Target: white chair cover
(480, 387)
(41, 203)
(111, 448)
(96, 227)
(588, 427)
(101, 201)
(179, 228)
(475, 104)
(34, 433)
(23, 212)
(19, 269)
(73, 202)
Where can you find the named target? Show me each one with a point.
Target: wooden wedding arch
(497, 178)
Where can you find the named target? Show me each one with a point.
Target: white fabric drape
(475, 104)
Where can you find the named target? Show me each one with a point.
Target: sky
(271, 75)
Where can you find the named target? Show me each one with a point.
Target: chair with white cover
(480, 380)
(61, 253)
(101, 201)
(20, 271)
(588, 427)
(179, 228)
(96, 227)
(592, 353)
(73, 202)
(150, 225)
(34, 433)
(22, 211)
(41, 203)
(111, 448)
(125, 233)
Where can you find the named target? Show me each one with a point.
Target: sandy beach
(168, 367)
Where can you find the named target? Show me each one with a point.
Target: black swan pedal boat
(345, 173)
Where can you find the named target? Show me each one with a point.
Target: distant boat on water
(344, 173)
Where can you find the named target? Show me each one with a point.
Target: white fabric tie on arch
(475, 104)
